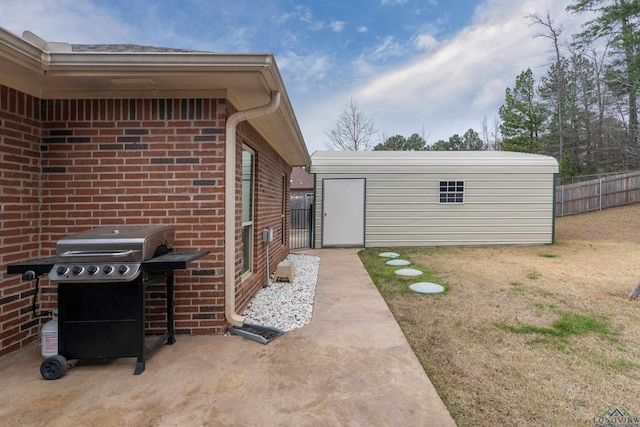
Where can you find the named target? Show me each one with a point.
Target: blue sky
(432, 67)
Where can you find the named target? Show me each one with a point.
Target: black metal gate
(301, 230)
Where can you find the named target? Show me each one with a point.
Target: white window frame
(247, 268)
(454, 192)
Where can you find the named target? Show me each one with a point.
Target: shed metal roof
(410, 161)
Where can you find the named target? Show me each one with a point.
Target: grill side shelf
(38, 266)
(173, 261)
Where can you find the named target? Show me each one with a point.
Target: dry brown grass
(490, 376)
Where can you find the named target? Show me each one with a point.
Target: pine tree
(523, 116)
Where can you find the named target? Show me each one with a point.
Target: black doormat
(259, 333)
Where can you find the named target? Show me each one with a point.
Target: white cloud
(72, 21)
(445, 86)
(392, 2)
(304, 14)
(337, 26)
(362, 67)
(454, 85)
(303, 71)
(388, 47)
(233, 39)
(426, 42)
(490, 93)
(282, 18)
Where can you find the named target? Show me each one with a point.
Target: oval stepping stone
(408, 272)
(389, 255)
(398, 262)
(427, 288)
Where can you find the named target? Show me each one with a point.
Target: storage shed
(432, 198)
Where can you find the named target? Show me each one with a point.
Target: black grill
(102, 315)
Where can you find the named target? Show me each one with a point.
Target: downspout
(230, 204)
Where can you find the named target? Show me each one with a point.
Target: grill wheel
(54, 367)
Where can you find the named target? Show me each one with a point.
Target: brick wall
(132, 161)
(19, 212)
(269, 170)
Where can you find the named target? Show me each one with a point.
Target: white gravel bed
(283, 305)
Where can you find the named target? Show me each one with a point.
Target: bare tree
(553, 33)
(617, 20)
(384, 136)
(496, 135)
(353, 130)
(485, 133)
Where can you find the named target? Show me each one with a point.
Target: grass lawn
(528, 335)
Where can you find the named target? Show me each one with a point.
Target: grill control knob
(92, 269)
(122, 269)
(107, 269)
(76, 270)
(61, 270)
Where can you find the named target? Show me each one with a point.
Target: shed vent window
(451, 191)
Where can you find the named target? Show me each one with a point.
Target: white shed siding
(508, 196)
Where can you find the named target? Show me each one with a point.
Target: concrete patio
(351, 366)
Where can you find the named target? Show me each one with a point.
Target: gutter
(20, 52)
(230, 204)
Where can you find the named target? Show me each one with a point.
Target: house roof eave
(248, 79)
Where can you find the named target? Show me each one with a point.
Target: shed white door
(343, 212)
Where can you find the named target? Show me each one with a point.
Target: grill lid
(136, 243)
(113, 253)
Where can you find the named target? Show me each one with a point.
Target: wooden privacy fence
(598, 194)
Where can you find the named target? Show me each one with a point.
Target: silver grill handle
(112, 254)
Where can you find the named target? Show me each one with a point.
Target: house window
(247, 208)
(451, 192)
(283, 211)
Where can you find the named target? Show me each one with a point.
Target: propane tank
(49, 337)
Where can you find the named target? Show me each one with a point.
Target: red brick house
(95, 135)
(301, 183)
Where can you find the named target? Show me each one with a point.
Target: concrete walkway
(351, 366)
